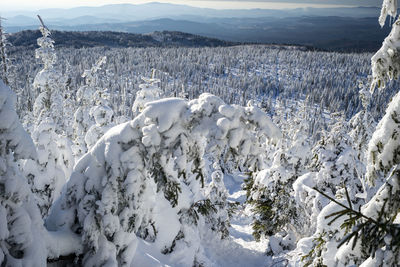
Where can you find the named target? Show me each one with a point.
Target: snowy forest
(250, 155)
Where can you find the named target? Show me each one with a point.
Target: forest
(243, 155)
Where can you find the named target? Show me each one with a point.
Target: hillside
(27, 39)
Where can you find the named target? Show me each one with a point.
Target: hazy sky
(6, 5)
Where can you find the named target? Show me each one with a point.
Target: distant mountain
(376, 3)
(339, 29)
(150, 11)
(328, 33)
(27, 39)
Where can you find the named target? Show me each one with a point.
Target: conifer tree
(49, 102)
(48, 173)
(102, 115)
(336, 172)
(362, 124)
(3, 54)
(85, 97)
(149, 91)
(21, 226)
(270, 191)
(217, 194)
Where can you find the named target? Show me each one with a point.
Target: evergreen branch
(348, 197)
(346, 208)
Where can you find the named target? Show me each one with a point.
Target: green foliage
(171, 192)
(315, 252)
(274, 210)
(171, 189)
(373, 233)
(205, 207)
(248, 185)
(178, 237)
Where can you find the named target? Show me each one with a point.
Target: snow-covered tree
(362, 124)
(149, 91)
(385, 63)
(270, 191)
(336, 172)
(271, 194)
(146, 178)
(21, 226)
(85, 97)
(49, 103)
(217, 194)
(48, 173)
(102, 115)
(3, 54)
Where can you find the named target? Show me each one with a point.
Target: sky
(7, 5)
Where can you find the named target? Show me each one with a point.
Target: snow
(384, 144)
(165, 112)
(193, 182)
(21, 229)
(385, 63)
(389, 7)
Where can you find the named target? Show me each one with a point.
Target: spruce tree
(21, 226)
(85, 97)
(48, 173)
(4, 60)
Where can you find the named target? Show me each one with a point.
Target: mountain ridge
(27, 39)
(154, 10)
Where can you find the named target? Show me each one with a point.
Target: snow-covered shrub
(271, 194)
(146, 178)
(21, 226)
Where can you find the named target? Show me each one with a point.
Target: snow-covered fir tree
(146, 178)
(335, 168)
(148, 91)
(21, 225)
(48, 173)
(217, 194)
(49, 103)
(4, 60)
(270, 191)
(362, 124)
(102, 114)
(85, 98)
